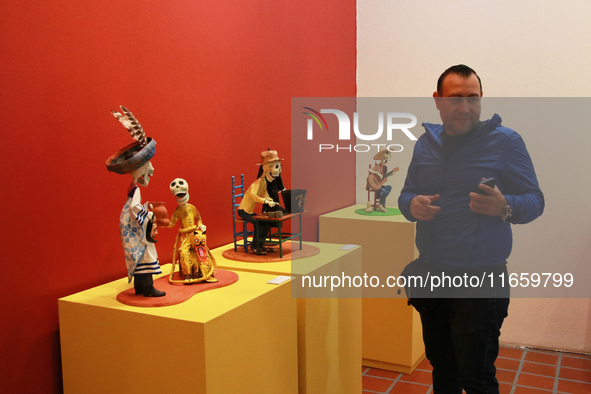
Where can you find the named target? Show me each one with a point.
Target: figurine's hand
(421, 208)
(270, 203)
(491, 204)
(379, 175)
(202, 228)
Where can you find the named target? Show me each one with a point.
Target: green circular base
(390, 212)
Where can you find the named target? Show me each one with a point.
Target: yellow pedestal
(236, 339)
(329, 329)
(391, 330)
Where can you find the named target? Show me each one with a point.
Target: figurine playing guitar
(378, 175)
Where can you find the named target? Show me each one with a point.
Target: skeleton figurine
(197, 263)
(257, 194)
(137, 222)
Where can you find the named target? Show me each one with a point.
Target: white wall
(519, 49)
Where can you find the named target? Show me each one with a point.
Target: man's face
(459, 103)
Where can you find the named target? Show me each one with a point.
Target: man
(461, 231)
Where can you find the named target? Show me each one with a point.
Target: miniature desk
(236, 339)
(329, 329)
(279, 234)
(391, 330)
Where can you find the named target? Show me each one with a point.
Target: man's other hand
(421, 208)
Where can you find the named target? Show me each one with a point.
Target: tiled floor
(519, 371)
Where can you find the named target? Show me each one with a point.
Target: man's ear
(437, 98)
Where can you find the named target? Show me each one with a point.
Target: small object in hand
(490, 182)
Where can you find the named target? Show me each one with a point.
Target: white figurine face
(180, 190)
(272, 170)
(142, 175)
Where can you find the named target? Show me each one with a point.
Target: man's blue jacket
(458, 237)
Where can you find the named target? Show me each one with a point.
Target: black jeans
(261, 231)
(461, 338)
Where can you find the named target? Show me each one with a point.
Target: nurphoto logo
(344, 131)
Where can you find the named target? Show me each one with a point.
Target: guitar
(375, 183)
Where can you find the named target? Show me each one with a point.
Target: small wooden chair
(375, 195)
(237, 222)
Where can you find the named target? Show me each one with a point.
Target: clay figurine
(378, 175)
(257, 194)
(196, 262)
(274, 187)
(137, 222)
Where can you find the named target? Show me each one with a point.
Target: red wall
(211, 82)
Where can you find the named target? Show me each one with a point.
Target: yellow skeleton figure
(196, 261)
(257, 194)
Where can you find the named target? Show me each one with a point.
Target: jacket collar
(434, 130)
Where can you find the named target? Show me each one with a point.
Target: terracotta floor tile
(505, 388)
(426, 365)
(541, 357)
(575, 374)
(375, 384)
(529, 390)
(510, 352)
(409, 388)
(568, 386)
(537, 374)
(506, 376)
(539, 369)
(507, 363)
(536, 381)
(576, 362)
(382, 373)
(423, 377)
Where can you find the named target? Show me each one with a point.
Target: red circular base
(176, 294)
(273, 257)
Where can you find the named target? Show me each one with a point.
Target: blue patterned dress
(141, 256)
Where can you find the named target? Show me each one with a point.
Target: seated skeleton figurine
(197, 263)
(378, 175)
(257, 194)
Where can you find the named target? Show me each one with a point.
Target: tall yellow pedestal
(391, 330)
(236, 339)
(329, 329)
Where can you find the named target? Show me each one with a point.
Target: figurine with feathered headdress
(137, 223)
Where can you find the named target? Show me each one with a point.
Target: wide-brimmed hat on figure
(136, 154)
(268, 156)
(384, 154)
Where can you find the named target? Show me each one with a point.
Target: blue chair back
(242, 233)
